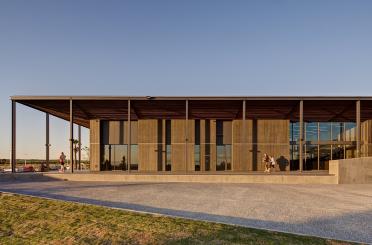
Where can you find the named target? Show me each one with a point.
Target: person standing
(62, 159)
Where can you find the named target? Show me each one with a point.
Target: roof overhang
(85, 108)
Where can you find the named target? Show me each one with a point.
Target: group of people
(269, 162)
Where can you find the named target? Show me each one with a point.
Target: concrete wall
(352, 171)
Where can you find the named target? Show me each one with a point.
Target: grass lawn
(30, 220)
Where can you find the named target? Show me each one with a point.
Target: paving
(334, 211)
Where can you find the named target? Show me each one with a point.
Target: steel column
(79, 145)
(47, 145)
(129, 138)
(14, 132)
(71, 138)
(301, 135)
(358, 128)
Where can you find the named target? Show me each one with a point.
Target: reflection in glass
(133, 157)
(197, 157)
(337, 131)
(223, 146)
(294, 156)
(197, 146)
(168, 149)
(325, 129)
(294, 131)
(324, 156)
(114, 157)
(311, 157)
(223, 157)
(350, 151)
(311, 132)
(338, 152)
(350, 131)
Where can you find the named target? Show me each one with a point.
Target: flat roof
(85, 108)
(78, 97)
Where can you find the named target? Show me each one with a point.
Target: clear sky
(175, 48)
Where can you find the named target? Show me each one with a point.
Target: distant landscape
(36, 163)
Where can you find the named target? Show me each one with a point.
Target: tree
(87, 151)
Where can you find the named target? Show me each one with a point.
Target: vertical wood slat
(147, 144)
(94, 154)
(213, 150)
(202, 145)
(178, 145)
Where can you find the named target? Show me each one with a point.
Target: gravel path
(334, 211)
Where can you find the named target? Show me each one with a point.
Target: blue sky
(175, 48)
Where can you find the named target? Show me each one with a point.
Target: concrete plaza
(334, 211)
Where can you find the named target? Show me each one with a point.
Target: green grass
(31, 220)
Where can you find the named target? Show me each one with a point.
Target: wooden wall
(148, 145)
(95, 155)
(179, 153)
(255, 139)
(242, 145)
(249, 142)
(273, 139)
(366, 140)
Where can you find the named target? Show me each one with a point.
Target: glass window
(168, 142)
(294, 157)
(197, 157)
(350, 131)
(197, 146)
(324, 156)
(207, 157)
(325, 131)
(134, 157)
(294, 131)
(350, 151)
(337, 131)
(311, 157)
(338, 152)
(311, 130)
(223, 150)
(114, 157)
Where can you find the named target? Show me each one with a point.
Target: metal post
(243, 148)
(47, 145)
(358, 128)
(301, 134)
(71, 138)
(14, 146)
(79, 156)
(129, 138)
(186, 132)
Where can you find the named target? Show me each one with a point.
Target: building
(211, 134)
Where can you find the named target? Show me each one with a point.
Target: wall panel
(273, 139)
(147, 145)
(94, 154)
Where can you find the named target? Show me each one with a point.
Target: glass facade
(114, 152)
(197, 146)
(223, 144)
(168, 145)
(323, 141)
